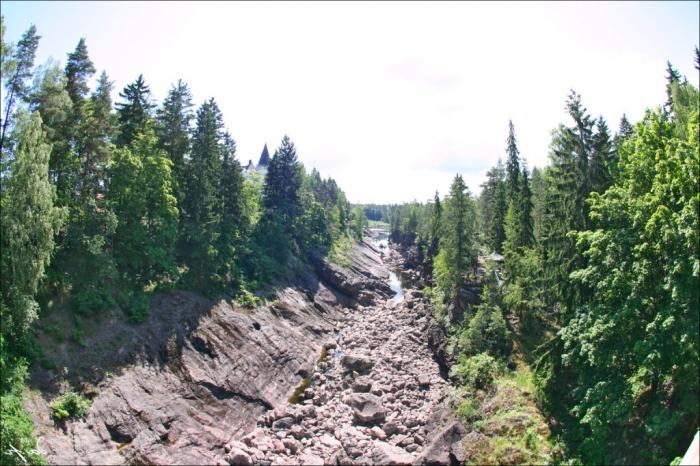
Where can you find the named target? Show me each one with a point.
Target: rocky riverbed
(330, 370)
(370, 399)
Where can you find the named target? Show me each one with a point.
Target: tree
(457, 240)
(264, 157)
(512, 166)
(493, 206)
(79, 68)
(233, 225)
(135, 112)
(30, 221)
(140, 190)
(435, 227)
(282, 184)
(631, 348)
(672, 76)
(602, 162)
(17, 82)
(202, 202)
(173, 127)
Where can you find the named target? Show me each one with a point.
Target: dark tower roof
(264, 157)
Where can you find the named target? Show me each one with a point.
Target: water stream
(381, 241)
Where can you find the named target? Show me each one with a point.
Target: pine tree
(30, 221)
(17, 83)
(174, 127)
(202, 202)
(525, 210)
(264, 157)
(135, 112)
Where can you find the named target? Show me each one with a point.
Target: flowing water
(381, 241)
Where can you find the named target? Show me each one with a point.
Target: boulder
(367, 408)
(239, 457)
(284, 423)
(357, 363)
(445, 444)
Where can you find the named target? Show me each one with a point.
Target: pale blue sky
(390, 99)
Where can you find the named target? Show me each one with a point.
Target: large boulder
(367, 408)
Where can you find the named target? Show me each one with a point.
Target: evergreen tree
(135, 112)
(672, 76)
(435, 227)
(264, 157)
(457, 242)
(512, 166)
(602, 163)
(17, 82)
(30, 222)
(493, 207)
(232, 227)
(538, 200)
(525, 210)
(282, 184)
(202, 202)
(50, 99)
(174, 127)
(79, 68)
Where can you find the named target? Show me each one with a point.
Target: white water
(381, 241)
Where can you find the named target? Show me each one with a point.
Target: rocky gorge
(330, 370)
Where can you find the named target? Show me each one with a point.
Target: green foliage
(137, 308)
(135, 113)
(70, 405)
(467, 409)
(486, 333)
(359, 222)
(17, 442)
(339, 251)
(476, 372)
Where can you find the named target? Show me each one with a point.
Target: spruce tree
(174, 128)
(435, 226)
(202, 202)
(525, 210)
(135, 112)
(17, 82)
(512, 165)
(282, 185)
(672, 76)
(457, 242)
(232, 226)
(264, 157)
(79, 69)
(602, 163)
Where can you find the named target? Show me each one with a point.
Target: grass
(377, 224)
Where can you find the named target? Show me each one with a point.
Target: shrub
(247, 299)
(69, 405)
(476, 372)
(467, 409)
(138, 308)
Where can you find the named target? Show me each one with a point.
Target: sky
(390, 99)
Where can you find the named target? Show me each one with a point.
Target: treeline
(601, 270)
(103, 203)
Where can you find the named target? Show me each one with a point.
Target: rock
(297, 432)
(291, 444)
(357, 363)
(310, 459)
(284, 423)
(377, 432)
(390, 428)
(278, 446)
(443, 445)
(386, 454)
(367, 408)
(239, 457)
(362, 384)
(424, 380)
(329, 441)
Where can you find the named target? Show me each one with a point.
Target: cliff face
(197, 374)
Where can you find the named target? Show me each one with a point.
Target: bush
(70, 405)
(247, 299)
(476, 372)
(486, 333)
(467, 409)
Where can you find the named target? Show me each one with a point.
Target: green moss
(296, 397)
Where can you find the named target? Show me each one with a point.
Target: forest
(590, 266)
(599, 279)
